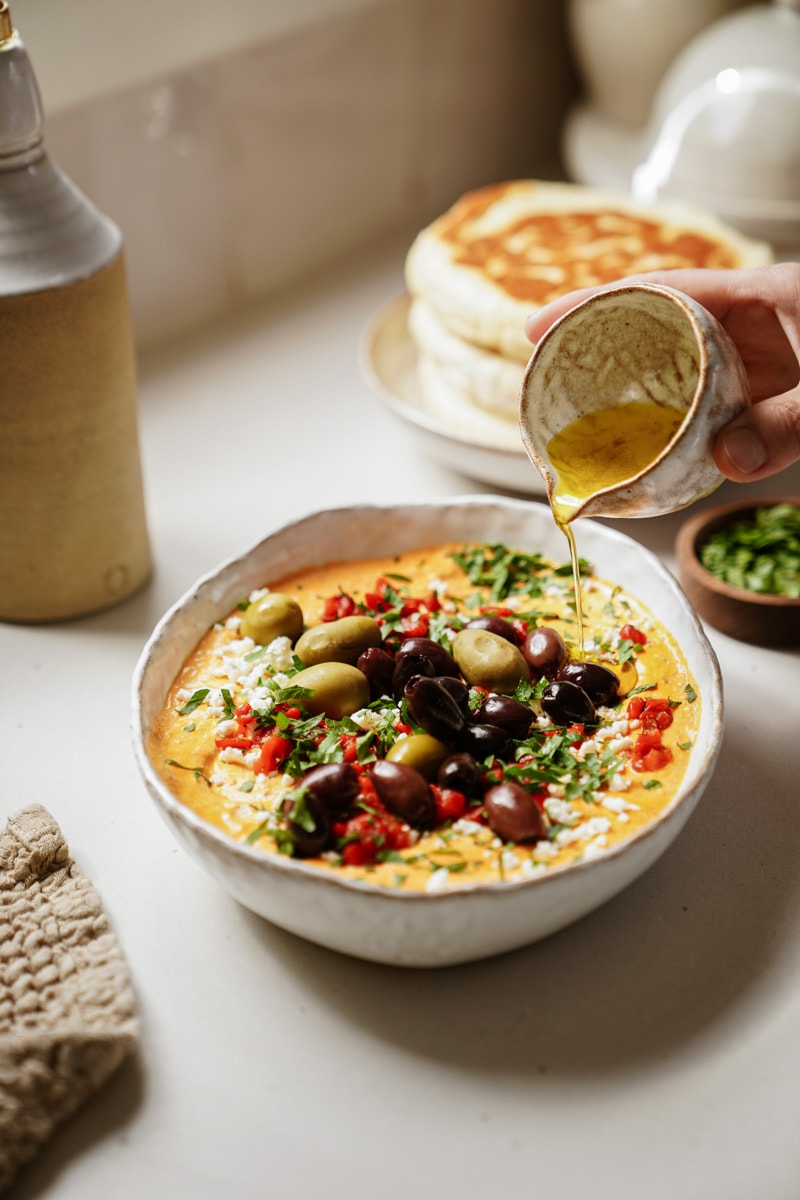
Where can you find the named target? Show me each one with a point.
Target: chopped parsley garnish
(758, 555)
(507, 572)
(194, 701)
(196, 771)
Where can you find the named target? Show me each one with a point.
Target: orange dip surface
(595, 783)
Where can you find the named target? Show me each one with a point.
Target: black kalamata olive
(458, 690)
(311, 831)
(405, 793)
(335, 785)
(485, 741)
(406, 667)
(600, 683)
(460, 772)
(567, 704)
(433, 708)
(513, 814)
(544, 650)
(378, 666)
(509, 714)
(443, 662)
(497, 625)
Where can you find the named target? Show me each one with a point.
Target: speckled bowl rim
(208, 590)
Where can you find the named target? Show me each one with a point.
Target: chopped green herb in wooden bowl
(740, 567)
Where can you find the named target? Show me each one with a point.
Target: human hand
(760, 309)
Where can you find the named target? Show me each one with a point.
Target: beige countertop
(649, 1050)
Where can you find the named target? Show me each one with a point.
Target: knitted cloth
(67, 1011)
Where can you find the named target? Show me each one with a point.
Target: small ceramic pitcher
(629, 344)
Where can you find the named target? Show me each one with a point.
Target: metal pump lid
(50, 234)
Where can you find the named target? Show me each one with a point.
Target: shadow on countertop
(683, 950)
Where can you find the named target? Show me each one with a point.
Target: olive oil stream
(600, 450)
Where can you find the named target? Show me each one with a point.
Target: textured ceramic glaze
(417, 929)
(638, 342)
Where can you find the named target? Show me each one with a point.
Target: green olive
(487, 660)
(271, 616)
(339, 641)
(338, 689)
(421, 751)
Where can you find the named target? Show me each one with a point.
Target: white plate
(465, 438)
(421, 929)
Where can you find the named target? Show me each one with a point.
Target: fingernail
(745, 449)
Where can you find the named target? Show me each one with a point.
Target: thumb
(762, 441)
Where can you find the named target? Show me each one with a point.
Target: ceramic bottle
(73, 535)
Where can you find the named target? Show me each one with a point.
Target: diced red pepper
(244, 716)
(416, 625)
(236, 742)
(653, 760)
(450, 803)
(540, 798)
(631, 634)
(274, 751)
(367, 834)
(653, 713)
(649, 753)
(338, 606)
(358, 854)
(348, 742)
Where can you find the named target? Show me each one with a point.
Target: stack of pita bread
(503, 251)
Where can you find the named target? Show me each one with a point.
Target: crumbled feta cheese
(616, 804)
(593, 828)
(614, 729)
(256, 594)
(530, 869)
(230, 754)
(226, 728)
(559, 811)
(544, 850)
(439, 881)
(467, 827)
(509, 860)
(369, 720)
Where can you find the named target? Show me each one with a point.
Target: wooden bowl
(748, 616)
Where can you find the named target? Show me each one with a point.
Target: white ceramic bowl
(405, 928)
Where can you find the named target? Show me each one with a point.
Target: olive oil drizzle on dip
(600, 450)
(240, 743)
